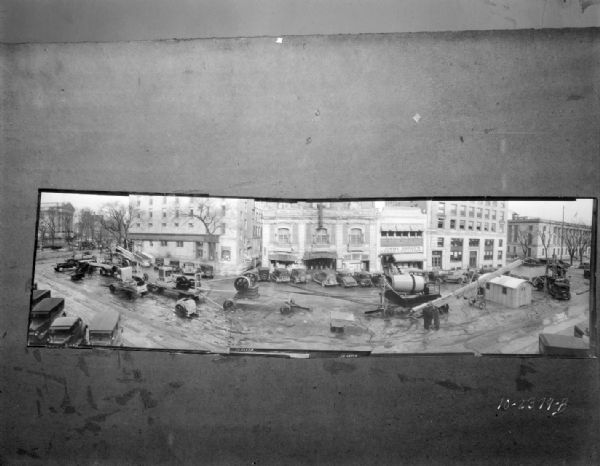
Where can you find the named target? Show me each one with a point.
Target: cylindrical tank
(408, 283)
(242, 283)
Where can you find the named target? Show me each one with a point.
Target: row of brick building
(341, 235)
(235, 234)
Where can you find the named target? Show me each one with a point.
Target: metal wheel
(241, 283)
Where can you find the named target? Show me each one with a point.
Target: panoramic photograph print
(304, 278)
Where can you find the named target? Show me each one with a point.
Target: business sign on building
(402, 250)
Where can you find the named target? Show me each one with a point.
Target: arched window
(321, 236)
(283, 235)
(356, 236)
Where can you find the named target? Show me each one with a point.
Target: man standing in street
(431, 314)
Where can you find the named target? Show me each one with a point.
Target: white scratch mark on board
(503, 146)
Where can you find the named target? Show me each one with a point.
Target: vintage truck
(104, 330)
(67, 331)
(129, 284)
(41, 317)
(173, 285)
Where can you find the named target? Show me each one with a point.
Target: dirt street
(150, 321)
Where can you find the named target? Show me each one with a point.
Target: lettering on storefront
(402, 250)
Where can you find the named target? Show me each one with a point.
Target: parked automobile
(263, 274)
(69, 264)
(104, 330)
(207, 271)
(280, 275)
(189, 268)
(41, 317)
(363, 279)
(67, 331)
(325, 277)
(175, 266)
(84, 256)
(460, 276)
(39, 295)
(81, 270)
(298, 275)
(346, 279)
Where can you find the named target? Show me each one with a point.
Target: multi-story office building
(402, 230)
(338, 235)
(225, 233)
(464, 234)
(55, 225)
(539, 238)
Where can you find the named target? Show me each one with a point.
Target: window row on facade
(469, 225)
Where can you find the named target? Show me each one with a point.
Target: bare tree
(577, 241)
(210, 212)
(69, 238)
(544, 238)
(49, 224)
(116, 220)
(42, 232)
(584, 242)
(571, 243)
(524, 238)
(86, 227)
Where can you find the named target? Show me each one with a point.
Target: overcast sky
(81, 201)
(578, 211)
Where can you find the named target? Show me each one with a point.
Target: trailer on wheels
(176, 286)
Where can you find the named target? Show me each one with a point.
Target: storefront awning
(279, 257)
(402, 227)
(309, 255)
(408, 257)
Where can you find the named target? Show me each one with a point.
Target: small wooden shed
(508, 291)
